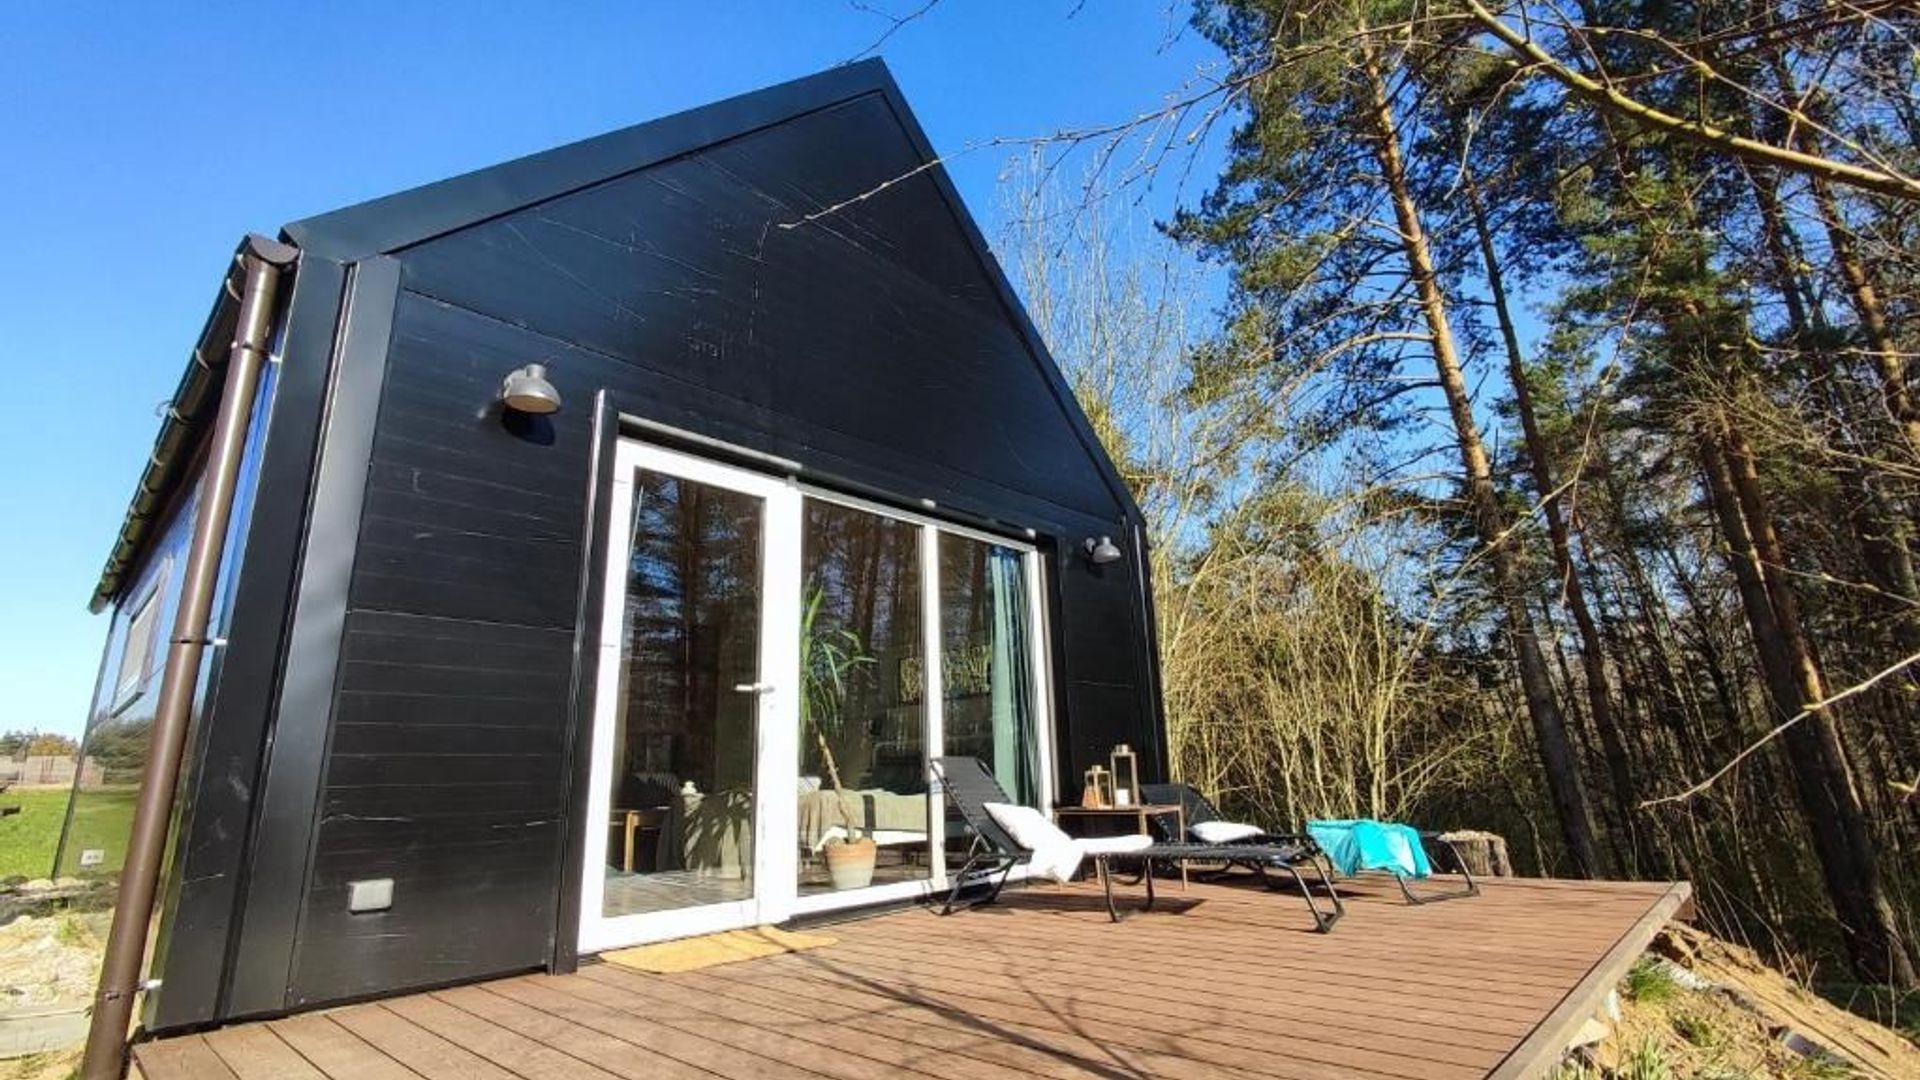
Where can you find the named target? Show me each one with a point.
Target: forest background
(1523, 417)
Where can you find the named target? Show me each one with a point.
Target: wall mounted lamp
(1102, 551)
(527, 390)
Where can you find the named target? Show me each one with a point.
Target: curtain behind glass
(1015, 749)
(988, 683)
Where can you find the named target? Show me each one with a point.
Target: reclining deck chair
(1199, 812)
(969, 787)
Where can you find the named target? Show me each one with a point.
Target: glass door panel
(686, 685)
(684, 735)
(987, 653)
(862, 792)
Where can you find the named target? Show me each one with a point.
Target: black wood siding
(871, 346)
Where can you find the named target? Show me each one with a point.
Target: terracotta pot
(850, 863)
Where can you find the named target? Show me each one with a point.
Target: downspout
(262, 262)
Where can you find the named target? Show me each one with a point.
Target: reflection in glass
(681, 828)
(863, 769)
(119, 733)
(988, 691)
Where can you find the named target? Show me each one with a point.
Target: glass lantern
(1126, 776)
(1098, 794)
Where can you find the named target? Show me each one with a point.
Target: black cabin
(620, 530)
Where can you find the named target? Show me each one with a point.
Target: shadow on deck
(1224, 980)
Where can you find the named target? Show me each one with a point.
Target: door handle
(754, 687)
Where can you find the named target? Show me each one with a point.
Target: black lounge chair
(969, 787)
(1199, 810)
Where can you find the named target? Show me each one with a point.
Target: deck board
(1226, 980)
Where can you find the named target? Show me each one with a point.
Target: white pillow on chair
(1028, 827)
(1224, 832)
(1055, 854)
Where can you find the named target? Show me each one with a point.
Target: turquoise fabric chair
(1360, 845)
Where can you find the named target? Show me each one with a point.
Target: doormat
(692, 954)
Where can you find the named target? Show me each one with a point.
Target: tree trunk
(1861, 291)
(1556, 751)
(1827, 796)
(1593, 662)
(1882, 536)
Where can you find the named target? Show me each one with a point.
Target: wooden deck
(1224, 980)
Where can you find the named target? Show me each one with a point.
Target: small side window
(136, 660)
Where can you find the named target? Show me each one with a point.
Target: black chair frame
(1198, 809)
(994, 853)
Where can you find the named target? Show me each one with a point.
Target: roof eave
(189, 412)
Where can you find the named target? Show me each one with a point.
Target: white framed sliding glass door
(927, 639)
(778, 663)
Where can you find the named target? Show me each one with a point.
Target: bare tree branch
(1535, 58)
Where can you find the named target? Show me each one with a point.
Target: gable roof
(395, 222)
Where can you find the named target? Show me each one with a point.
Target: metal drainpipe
(262, 261)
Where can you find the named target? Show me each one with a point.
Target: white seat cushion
(1055, 854)
(1114, 845)
(1224, 832)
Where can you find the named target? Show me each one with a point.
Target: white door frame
(774, 860)
(777, 752)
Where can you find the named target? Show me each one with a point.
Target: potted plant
(828, 659)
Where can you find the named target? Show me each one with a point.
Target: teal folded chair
(1351, 856)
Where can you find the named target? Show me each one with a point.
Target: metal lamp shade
(527, 390)
(1103, 552)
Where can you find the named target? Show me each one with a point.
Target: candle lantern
(1126, 776)
(1098, 794)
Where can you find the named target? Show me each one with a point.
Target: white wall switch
(375, 894)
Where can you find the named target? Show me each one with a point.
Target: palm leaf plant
(829, 658)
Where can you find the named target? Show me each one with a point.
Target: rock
(1590, 1033)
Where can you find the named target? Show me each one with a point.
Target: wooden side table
(1138, 814)
(634, 823)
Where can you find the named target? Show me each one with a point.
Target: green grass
(1650, 981)
(1697, 1030)
(1647, 1061)
(28, 839)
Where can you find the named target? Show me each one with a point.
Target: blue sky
(142, 144)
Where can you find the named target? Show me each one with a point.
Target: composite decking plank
(1549, 1039)
(945, 1031)
(1556, 936)
(1254, 1016)
(253, 1051)
(1363, 934)
(830, 1050)
(415, 1047)
(1289, 971)
(1295, 1009)
(1432, 956)
(508, 1049)
(1405, 967)
(717, 1058)
(1222, 980)
(898, 1054)
(1555, 939)
(1049, 1024)
(336, 1051)
(187, 1058)
(597, 1048)
(1063, 1012)
(1079, 1053)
